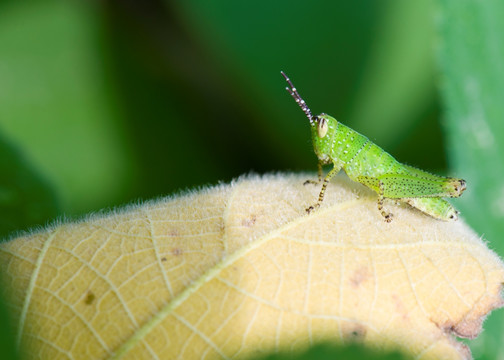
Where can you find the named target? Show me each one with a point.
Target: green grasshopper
(367, 163)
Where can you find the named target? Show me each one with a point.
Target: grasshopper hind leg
(376, 185)
(436, 207)
(388, 216)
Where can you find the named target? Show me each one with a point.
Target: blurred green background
(106, 102)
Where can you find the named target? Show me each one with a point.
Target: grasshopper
(368, 164)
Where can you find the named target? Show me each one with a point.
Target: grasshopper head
(323, 128)
(322, 125)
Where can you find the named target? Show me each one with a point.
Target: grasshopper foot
(454, 216)
(311, 182)
(388, 217)
(312, 208)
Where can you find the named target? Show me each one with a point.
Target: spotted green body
(367, 163)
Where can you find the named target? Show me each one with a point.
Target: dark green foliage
(333, 352)
(26, 200)
(472, 68)
(7, 340)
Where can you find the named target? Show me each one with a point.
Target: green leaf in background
(7, 340)
(54, 102)
(332, 352)
(115, 101)
(210, 77)
(25, 198)
(472, 68)
(398, 82)
(370, 65)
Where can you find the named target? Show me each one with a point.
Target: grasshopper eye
(322, 127)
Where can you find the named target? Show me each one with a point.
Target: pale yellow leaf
(239, 269)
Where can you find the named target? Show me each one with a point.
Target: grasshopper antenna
(302, 104)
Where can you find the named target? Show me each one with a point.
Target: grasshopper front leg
(319, 172)
(328, 178)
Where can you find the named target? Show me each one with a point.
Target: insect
(367, 163)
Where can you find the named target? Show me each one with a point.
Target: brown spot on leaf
(359, 276)
(471, 325)
(222, 227)
(163, 259)
(400, 308)
(249, 221)
(90, 297)
(468, 329)
(177, 251)
(354, 332)
(358, 333)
